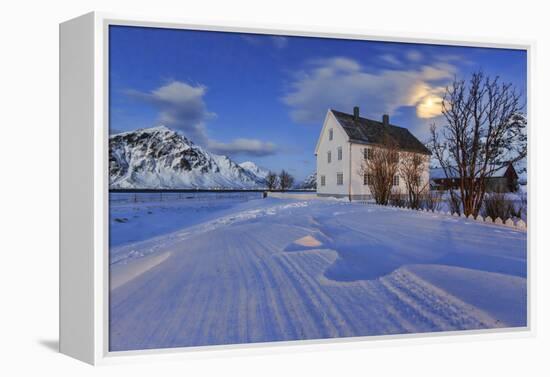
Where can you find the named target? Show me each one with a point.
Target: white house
(343, 144)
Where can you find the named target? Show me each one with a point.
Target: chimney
(386, 119)
(356, 113)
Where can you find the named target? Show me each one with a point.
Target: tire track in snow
(280, 294)
(441, 310)
(336, 322)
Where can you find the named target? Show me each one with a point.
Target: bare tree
(271, 181)
(431, 200)
(484, 130)
(285, 180)
(396, 199)
(411, 167)
(454, 204)
(379, 168)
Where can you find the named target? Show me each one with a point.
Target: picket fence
(518, 224)
(510, 223)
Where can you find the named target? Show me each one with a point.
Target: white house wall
(426, 173)
(361, 191)
(330, 170)
(357, 189)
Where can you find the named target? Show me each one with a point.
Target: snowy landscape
(276, 188)
(244, 269)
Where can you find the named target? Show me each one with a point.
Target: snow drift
(277, 270)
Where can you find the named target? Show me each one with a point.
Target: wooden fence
(510, 222)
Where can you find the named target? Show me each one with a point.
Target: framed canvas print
(230, 186)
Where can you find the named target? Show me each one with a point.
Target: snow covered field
(259, 270)
(138, 217)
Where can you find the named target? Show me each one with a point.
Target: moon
(429, 107)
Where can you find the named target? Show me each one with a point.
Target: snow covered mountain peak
(161, 158)
(149, 130)
(252, 167)
(310, 182)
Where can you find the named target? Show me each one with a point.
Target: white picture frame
(84, 191)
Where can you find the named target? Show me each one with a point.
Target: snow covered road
(273, 270)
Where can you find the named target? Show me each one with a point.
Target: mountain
(160, 158)
(310, 182)
(261, 173)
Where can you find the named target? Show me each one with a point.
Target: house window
(366, 154)
(339, 179)
(367, 179)
(323, 180)
(396, 180)
(330, 134)
(329, 157)
(339, 153)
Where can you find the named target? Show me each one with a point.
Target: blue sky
(263, 98)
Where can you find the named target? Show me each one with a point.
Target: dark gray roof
(367, 131)
(494, 171)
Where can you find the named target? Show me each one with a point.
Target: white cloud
(414, 56)
(181, 106)
(391, 59)
(342, 83)
(242, 146)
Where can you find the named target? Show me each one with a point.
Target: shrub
(497, 205)
(397, 200)
(431, 200)
(454, 203)
(520, 210)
